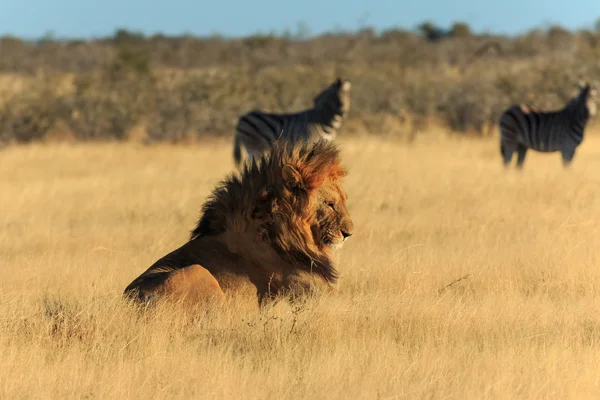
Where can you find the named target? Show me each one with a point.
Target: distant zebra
(258, 130)
(522, 128)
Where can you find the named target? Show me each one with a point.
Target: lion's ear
(291, 177)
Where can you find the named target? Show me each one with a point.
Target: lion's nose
(346, 234)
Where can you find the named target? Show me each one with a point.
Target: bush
(184, 87)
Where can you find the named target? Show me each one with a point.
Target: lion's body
(268, 232)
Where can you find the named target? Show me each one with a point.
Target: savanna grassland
(462, 280)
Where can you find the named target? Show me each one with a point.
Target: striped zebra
(258, 130)
(523, 128)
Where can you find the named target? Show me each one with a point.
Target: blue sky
(88, 18)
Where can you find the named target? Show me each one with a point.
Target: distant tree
(367, 32)
(559, 37)
(287, 34)
(132, 59)
(158, 37)
(302, 31)
(48, 37)
(460, 30)
(132, 55)
(431, 32)
(123, 36)
(396, 34)
(9, 40)
(556, 31)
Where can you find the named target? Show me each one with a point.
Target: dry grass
(81, 221)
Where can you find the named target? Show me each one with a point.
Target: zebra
(523, 128)
(258, 130)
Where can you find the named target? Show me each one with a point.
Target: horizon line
(286, 32)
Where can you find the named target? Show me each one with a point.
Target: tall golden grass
(462, 280)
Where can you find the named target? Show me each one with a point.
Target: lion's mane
(284, 216)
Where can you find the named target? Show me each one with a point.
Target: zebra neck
(580, 115)
(328, 118)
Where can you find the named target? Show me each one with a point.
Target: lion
(272, 230)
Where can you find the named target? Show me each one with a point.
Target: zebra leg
(507, 150)
(521, 152)
(567, 156)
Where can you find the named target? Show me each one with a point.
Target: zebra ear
(291, 177)
(585, 89)
(345, 87)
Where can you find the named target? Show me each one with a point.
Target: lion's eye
(331, 204)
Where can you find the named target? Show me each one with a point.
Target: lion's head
(291, 197)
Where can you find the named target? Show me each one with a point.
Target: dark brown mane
(258, 202)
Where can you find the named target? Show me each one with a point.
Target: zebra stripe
(523, 128)
(258, 130)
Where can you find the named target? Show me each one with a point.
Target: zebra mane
(339, 87)
(584, 92)
(580, 100)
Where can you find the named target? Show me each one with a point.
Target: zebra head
(585, 101)
(335, 98)
(592, 100)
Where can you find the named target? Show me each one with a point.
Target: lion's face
(320, 203)
(332, 224)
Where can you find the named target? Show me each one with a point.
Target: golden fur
(272, 230)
